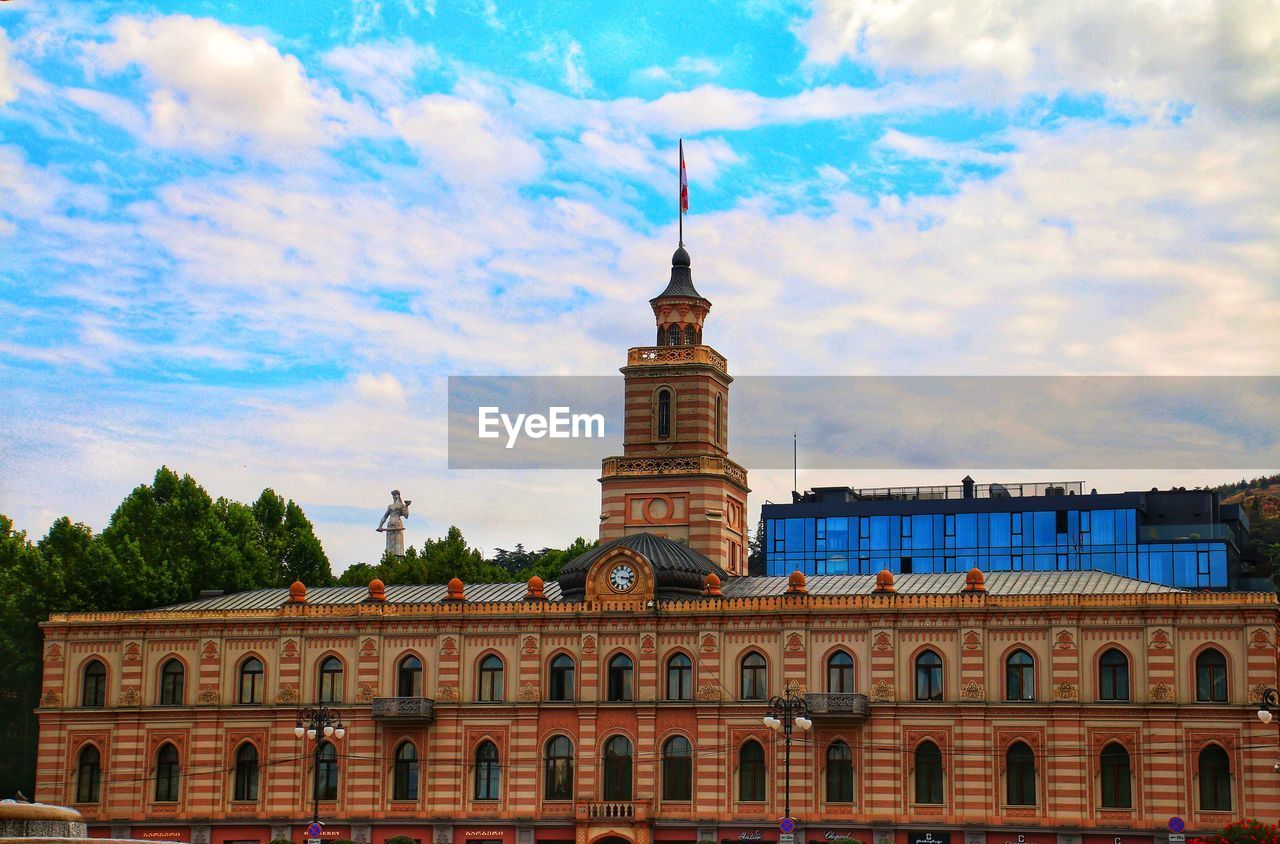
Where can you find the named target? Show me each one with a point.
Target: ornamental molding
(1066, 691)
(708, 644)
(290, 649)
(646, 645)
(288, 693)
(1064, 640)
(449, 646)
(882, 690)
(795, 643)
(129, 696)
(54, 654)
(51, 699)
(972, 640)
(1256, 693)
(1260, 640)
(132, 652)
(528, 693)
(447, 693)
(972, 690)
(883, 642)
(709, 691)
(210, 652)
(1161, 693)
(530, 646)
(1159, 640)
(208, 693)
(368, 647)
(366, 693)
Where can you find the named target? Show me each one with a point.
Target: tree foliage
(1247, 832)
(439, 560)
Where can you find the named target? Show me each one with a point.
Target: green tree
(290, 541)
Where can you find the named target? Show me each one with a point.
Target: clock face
(622, 578)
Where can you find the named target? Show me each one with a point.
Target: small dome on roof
(797, 583)
(681, 257)
(975, 580)
(884, 581)
(455, 590)
(676, 566)
(297, 592)
(535, 591)
(711, 587)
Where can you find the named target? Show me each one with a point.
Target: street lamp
(1270, 699)
(313, 722)
(783, 713)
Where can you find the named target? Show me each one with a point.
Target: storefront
(240, 835)
(1018, 836)
(1102, 838)
(761, 834)
(827, 834)
(675, 835)
(161, 833)
(929, 836)
(490, 834)
(419, 833)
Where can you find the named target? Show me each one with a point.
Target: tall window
(93, 691)
(326, 782)
(1117, 778)
(677, 769)
(1020, 676)
(620, 678)
(488, 774)
(330, 680)
(928, 677)
(1020, 775)
(673, 335)
(405, 776)
(246, 776)
(664, 413)
(89, 775)
(1215, 780)
(928, 773)
(751, 773)
(171, 675)
(719, 429)
(251, 683)
(558, 776)
(1211, 676)
(839, 773)
(561, 679)
(840, 673)
(491, 685)
(1113, 676)
(679, 678)
(167, 774)
(689, 335)
(409, 677)
(755, 685)
(617, 769)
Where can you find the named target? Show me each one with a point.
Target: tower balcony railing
(852, 707)
(697, 464)
(666, 355)
(404, 708)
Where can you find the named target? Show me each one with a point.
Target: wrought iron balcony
(850, 707)
(404, 708)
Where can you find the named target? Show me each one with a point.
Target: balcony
(404, 708)
(1186, 533)
(667, 355)
(845, 707)
(625, 810)
(683, 465)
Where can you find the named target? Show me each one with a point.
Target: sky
(251, 240)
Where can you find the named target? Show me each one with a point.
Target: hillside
(1260, 498)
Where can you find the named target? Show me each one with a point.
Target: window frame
(557, 772)
(172, 683)
(168, 774)
(620, 679)
(677, 770)
(564, 688)
(93, 682)
(1213, 682)
(326, 767)
(836, 674)
(1020, 677)
(491, 679)
(416, 677)
(753, 686)
(487, 786)
(1115, 779)
(933, 694)
(1020, 775)
(753, 785)
(617, 770)
(1113, 676)
(258, 684)
(1219, 789)
(246, 776)
(330, 681)
(405, 774)
(682, 674)
(89, 790)
(839, 773)
(925, 790)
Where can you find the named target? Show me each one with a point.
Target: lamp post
(1270, 700)
(315, 722)
(784, 712)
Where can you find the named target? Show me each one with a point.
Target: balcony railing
(683, 465)
(613, 810)
(851, 706)
(1186, 533)
(665, 355)
(404, 708)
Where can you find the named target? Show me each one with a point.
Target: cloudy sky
(250, 240)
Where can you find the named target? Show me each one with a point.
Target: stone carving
(1259, 640)
(290, 648)
(287, 693)
(366, 693)
(447, 693)
(55, 654)
(129, 696)
(1160, 692)
(1065, 640)
(530, 645)
(132, 652)
(882, 690)
(1255, 693)
(1066, 691)
(210, 652)
(51, 699)
(528, 692)
(1159, 640)
(882, 642)
(972, 690)
(589, 645)
(972, 641)
(795, 687)
(368, 647)
(708, 644)
(392, 523)
(208, 694)
(646, 645)
(448, 647)
(795, 643)
(708, 690)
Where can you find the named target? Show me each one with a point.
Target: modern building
(625, 703)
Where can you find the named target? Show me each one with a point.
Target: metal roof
(425, 593)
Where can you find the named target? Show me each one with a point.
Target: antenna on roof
(795, 464)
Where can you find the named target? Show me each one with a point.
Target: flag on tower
(684, 182)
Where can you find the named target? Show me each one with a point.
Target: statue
(394, 529)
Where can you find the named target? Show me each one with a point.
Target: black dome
(676, 567)
(681, 283)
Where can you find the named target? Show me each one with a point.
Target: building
(624, 703)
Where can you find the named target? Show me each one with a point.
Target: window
(664, 413)
(679, 678)
(617, 769)
(326, 774)
(619, 678)
(839, 773)
(1211, 677)
(677, 769)
(689, 335)
(405, 775)
(1020, 676)
(558, 777)
(561, 685)
(1215, 780)
(1113, 676)
(928, 677)
(167, 774)
(1020, 775)
(751, 772)
(89, 775)
(171, 683)
(251, 683)
(93, 690)
(1117, 778)
(719, 429)
(928, 773)
(754, 683)
(673, 335)
(330, 680)
(488, 773)
(409, 677)
(246, 776)
(491, 686)
(840, 674)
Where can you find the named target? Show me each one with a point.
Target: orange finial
(535, 590)
(975, 580)
(455, 590)
(711, 587)
(884, 581)
(377, 590)
(298, 592)
(796, 583)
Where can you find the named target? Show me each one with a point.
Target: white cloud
(383, 69)
(464, 143)
(8, 86)
(380, 389)
(565, 54)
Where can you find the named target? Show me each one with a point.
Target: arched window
(617, 769)
(409, 677)
(1020, 775)
(662, 336)
(93, 691)
(326, 783)
(171, 675)
(620, 670)
(679, 677)
(561, 685)
(406, 772)
(664, 414)
(928, 773)
(677, 769)
(840, 673)
(488, 773)
(558, 776)
(1117, 778)
(719, 429)
(689, 335)
(251, 682)
(492, 687)
(1215, 779)
(1020, 676)
(928, 676)
(1113, 676)
(839, 773)
(167, 774)
(1211, 676)
(330, 680)
(673, 335)
(88, 775)
(755, 684)
(751, 787)
(246, 777)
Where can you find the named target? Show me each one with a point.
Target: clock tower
(674, 478)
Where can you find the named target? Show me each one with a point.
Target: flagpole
(680, 192)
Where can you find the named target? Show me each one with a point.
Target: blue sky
(251, 240)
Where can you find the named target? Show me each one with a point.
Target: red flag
(684, 182)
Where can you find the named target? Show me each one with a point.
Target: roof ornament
(455, 590)
(884, 582)
(975, 580)
(377, 590)
(796, 583)
(298, 592)
(711, 587)
(535, 590)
